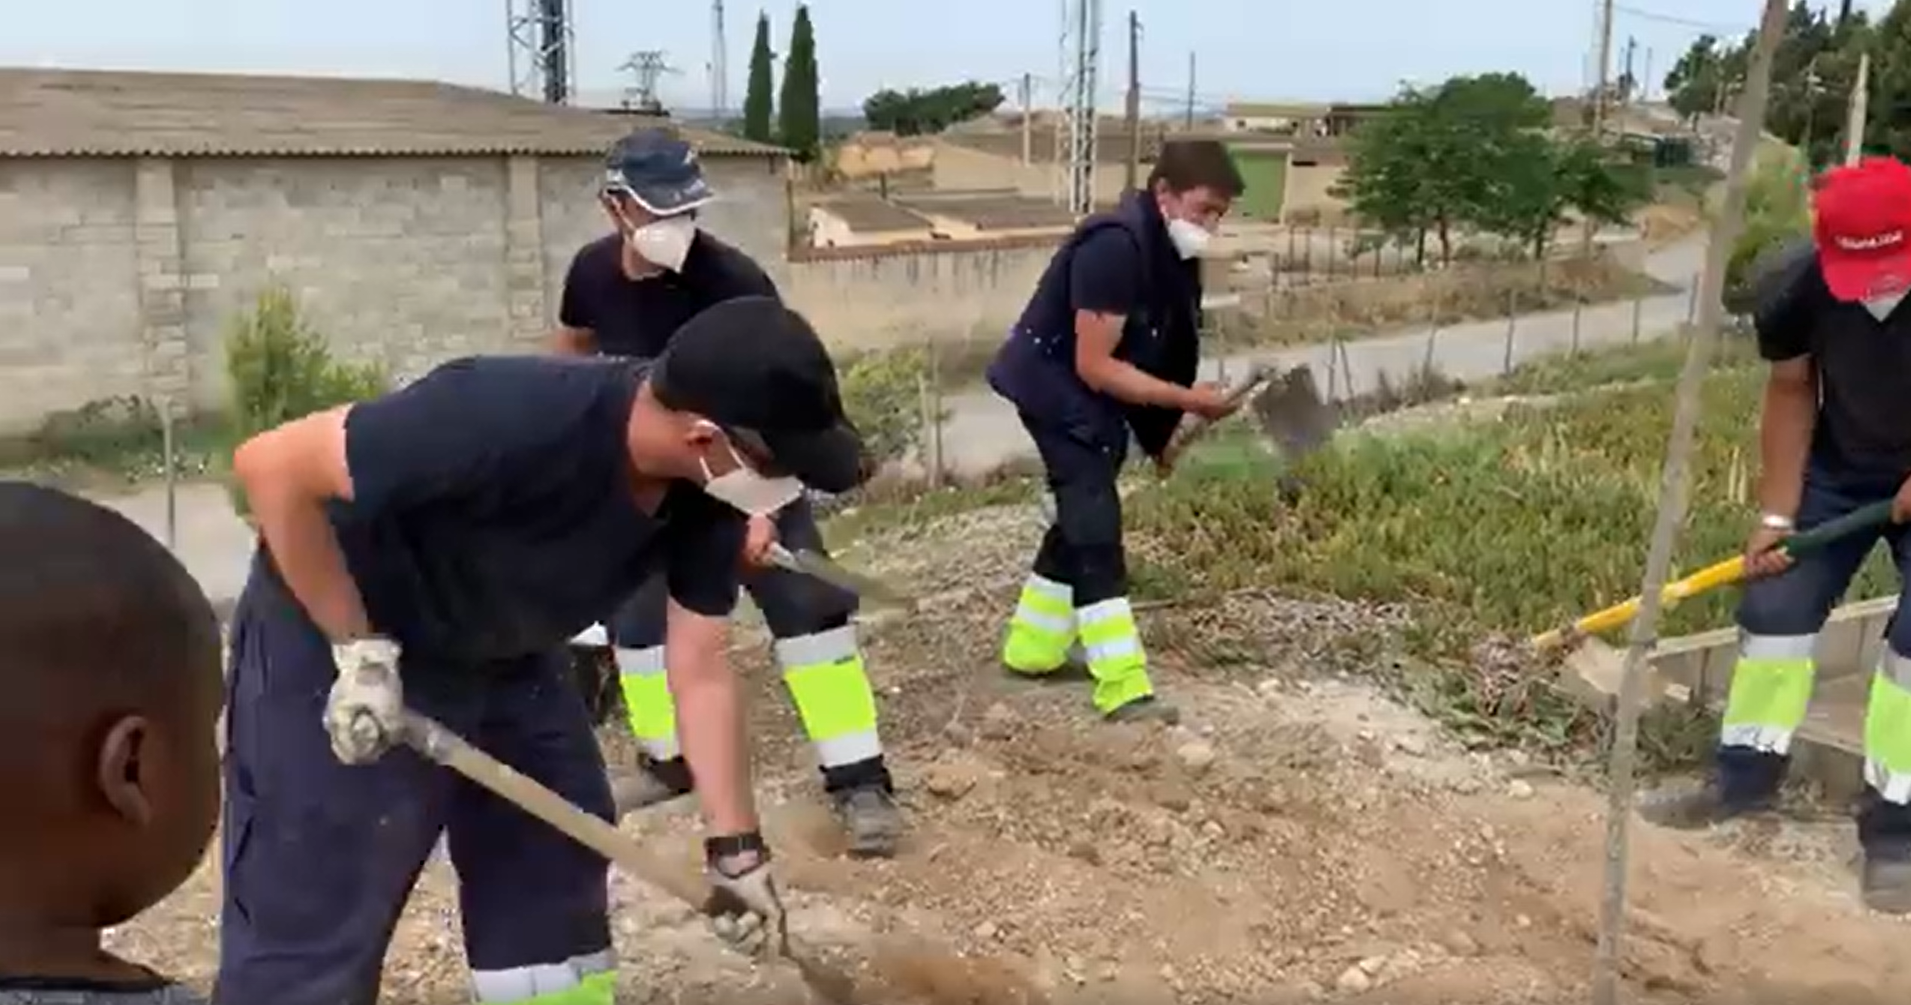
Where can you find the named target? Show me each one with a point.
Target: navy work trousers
(1797, 603)
(1083, 547)
(319, 857)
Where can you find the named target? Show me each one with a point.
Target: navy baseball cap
(756, 368)
(658, 170)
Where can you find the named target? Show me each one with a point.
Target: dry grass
(1314, 314)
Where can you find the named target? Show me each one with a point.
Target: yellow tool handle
(1711, 577)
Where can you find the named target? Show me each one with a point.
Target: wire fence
(1362, 371)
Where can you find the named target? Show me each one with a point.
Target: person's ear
(701, 434)
(122, 772)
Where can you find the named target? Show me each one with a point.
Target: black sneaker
(1147, 708)
(1886, 885)
(1695, 808)
(872, 819)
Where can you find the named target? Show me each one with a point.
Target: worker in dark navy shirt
(1834, 435)
(628, 294)
(438, 547)
(1108, 346)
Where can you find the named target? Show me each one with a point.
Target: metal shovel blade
(1296, 419)
(809, 563)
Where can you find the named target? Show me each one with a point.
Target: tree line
(1813, 71)
(1478, 154)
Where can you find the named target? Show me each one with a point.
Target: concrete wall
(119, 276)
(864, 299)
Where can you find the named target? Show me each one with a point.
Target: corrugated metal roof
(67, 113)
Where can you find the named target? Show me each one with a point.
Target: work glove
(744, 907)
(364, 714)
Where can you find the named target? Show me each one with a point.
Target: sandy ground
(1301, 837)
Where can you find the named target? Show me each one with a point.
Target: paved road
(982, 432)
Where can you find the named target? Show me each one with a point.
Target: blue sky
(1246, 49)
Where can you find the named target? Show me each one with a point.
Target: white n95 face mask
(665, 242)
(747, 491)
(1190, 239)
(1881, 307)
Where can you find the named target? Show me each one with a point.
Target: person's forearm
(572, 342)
(1784, 442)
(305, 549)
(1127, 382)
(710, 733)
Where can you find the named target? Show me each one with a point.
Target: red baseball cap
(1863, 229)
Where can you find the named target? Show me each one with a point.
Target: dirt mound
(1302, 837)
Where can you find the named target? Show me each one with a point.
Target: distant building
(1276, 118)
(864, 221)
(139, 212)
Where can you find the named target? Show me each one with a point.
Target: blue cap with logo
(658, 170)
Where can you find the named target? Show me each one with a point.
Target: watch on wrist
(1775, 521)
(731, 845)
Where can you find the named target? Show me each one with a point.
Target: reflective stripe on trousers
(827, 680)
(1112, 642)
(1888, 729)
(583, 980)
(647, 704)
(1042, 627)
(1771, 688)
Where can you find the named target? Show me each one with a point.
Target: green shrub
(882, 391)
(279, 369)
(1510, 526)
(1777, 208)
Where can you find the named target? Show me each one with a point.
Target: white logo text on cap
(1873, 243)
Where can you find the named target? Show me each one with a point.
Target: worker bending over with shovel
(1108, 345)
(435, 549)
(1834, 435)
(627, 295)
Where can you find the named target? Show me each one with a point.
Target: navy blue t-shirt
(637, 317)
(1863, 364)
(492, 512)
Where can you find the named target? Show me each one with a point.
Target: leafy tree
(915, 112)
(1696, 81)
(756, 99)
(799, 108)
(1435, 163)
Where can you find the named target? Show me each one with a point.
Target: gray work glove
(744, 907)
(364, 714)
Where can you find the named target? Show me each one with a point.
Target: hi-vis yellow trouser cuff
(583, 980)
(653, 717)
(1042, 627)
(1112, 642)
(1771, 688)
(1888, 729)
(827, 680)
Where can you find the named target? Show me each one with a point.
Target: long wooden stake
(1673, 490)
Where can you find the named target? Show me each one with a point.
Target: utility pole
(648, 67)
(1082, 34)
(719, 64)
(1188, 120)
(1855, 121)
(1028, 118)
(1133, 177)
(1601, 81)
(1602, 72)
(1645, 81)
(1631, 82)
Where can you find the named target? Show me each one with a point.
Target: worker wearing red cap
(1834, 435)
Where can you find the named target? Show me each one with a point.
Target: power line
(1708, 27)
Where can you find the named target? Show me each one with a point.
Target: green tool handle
(1875, 515)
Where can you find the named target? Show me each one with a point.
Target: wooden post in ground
(1672, 503)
